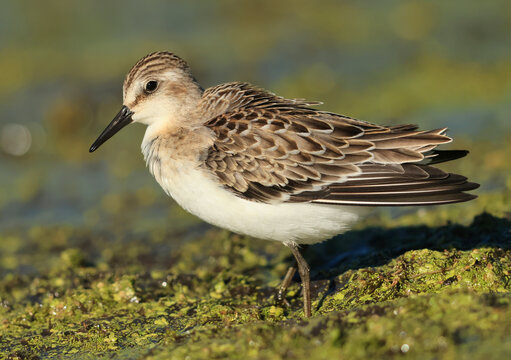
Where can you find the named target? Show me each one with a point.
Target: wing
(271, 149)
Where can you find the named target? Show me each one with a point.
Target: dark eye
(150, 86)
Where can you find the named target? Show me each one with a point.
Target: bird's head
(158, 90)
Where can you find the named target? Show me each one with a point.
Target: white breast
(196, 190)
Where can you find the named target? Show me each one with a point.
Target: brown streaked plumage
(258, 164)
(268, 148)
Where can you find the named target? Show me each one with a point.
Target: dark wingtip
(440, 156)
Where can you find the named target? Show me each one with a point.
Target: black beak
(120, 120)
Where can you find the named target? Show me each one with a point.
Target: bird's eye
(150, 86)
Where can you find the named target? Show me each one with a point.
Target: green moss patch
(214, 297)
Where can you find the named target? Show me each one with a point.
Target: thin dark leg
(304, 271)
(281, 295)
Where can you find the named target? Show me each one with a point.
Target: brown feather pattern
(271, 149)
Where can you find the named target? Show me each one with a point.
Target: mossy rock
(425, 292)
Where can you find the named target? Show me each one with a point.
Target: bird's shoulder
(232, 96)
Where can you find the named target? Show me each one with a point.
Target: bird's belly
(303, 223)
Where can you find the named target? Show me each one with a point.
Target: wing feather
(271, 149)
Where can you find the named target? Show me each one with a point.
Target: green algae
(213, 297)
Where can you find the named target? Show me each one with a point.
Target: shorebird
(258, 164)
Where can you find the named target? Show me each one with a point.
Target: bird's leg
(304, 271)
(281, 295)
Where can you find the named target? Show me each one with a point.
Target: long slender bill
(120, 120)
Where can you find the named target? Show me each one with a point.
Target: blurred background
(434, 63)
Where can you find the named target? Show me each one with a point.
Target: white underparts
(196, 190)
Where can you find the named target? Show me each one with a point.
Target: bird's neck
(182, 143)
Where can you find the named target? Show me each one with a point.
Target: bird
(258, 164)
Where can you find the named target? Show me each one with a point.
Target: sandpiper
(258, 164)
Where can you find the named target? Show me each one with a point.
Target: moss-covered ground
(424, 292)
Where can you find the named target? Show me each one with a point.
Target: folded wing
(271, 149)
